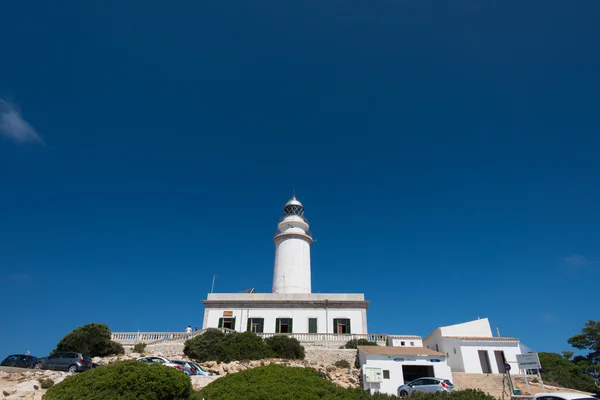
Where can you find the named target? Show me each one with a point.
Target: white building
(385, 368)
(470, 347)
(291, 307)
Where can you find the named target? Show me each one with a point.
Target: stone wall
(329, 357)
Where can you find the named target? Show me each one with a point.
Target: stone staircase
(489, 383)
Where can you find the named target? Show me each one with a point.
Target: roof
(400, 351)
(485, 338)
(404, 337)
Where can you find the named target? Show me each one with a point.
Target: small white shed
(385, 368)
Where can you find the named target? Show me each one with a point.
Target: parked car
(563, 396)
(188, 368)
(428, 385)
(160, 360)
(200, 371)
(19, 361)
(67, 361)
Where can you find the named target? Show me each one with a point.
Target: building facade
(386, 368)
(470, 347)
(291, 307)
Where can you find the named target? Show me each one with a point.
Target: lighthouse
(292, 251)
(291, 307)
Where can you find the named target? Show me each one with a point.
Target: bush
(468, 394)
(353, 344)
(563, 372)
(244, 346)
(342, 364)
(125, 380)
(205, 347)
(215, 345)
(46, 383)
(139, 347)
(275, 382)
(91, 339)
(286, 347)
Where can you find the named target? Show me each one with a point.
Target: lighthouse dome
(293, 207)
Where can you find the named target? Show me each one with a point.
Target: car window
(57, 355)
(431, 382)
(418, 382)
(13, 358)
(157, 360)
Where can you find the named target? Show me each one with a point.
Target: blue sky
(446, 154)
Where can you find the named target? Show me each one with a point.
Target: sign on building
(528, 361)
(373, 375)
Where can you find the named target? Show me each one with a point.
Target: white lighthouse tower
(292, 251)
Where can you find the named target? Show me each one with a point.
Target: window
(437, 348)
(412, 343)
(228, 323)
(386, 374)
(312, 325)
(402, 343)
(455, 350)
(283, 325)
(447, 355)
(341, 325)
(255, 325)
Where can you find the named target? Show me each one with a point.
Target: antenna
(212, 288)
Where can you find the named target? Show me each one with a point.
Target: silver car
(71, 362)
(160, 360)
(188, 367)
(427, 385)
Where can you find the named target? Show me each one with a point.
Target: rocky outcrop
(27, 385)
(321, 360)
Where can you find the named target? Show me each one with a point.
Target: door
(484, 359)
(312, 325)
(430, 385)
(500, 361)
(22, 362)
(10, 361)
(53, 361)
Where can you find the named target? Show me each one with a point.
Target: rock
(9, 391)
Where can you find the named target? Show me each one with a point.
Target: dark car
(67, 361)
(19, 361)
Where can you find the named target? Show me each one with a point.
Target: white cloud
(14, 127)
(577, 260)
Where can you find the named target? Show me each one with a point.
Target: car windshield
(447, 382)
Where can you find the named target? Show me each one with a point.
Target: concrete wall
(478, 327)
(390, 386)
(404, 342)
(300, 318)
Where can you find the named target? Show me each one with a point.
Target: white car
(563, 396)
(160, 360)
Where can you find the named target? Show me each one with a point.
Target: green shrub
(91, 339)
(205, 347)
(286, 347)
(125, 380)
(468, 394)
(46, 383)
(275, 382)
(139, 347)
(244, 346)
(353, 344)
(214, 345)
(563, 372)
(342, 364)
